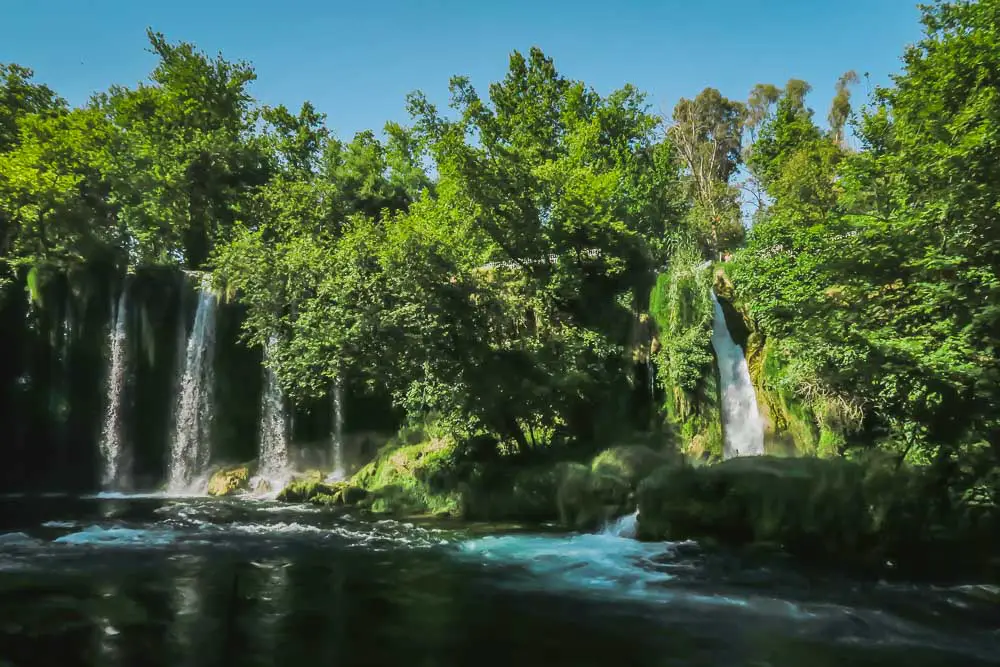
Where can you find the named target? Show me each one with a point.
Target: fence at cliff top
(591, 253)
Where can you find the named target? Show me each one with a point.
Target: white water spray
(112, 435)
(190, 449)
(624, 526)
(742, 424)
(273, 449)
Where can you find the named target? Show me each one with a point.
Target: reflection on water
(196, 582)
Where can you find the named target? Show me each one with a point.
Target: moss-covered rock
(432, 478)
(631, 463)
(311, 490)
(303, 490)
(412, 479)
(791, 426)
(230, 481)
(824, 510)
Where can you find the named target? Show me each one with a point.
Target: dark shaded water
(157, 581)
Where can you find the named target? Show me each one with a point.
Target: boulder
(631, 463)
(322, 493)
(871, 515)
(230, 481)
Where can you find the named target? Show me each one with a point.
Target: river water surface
(150, 581)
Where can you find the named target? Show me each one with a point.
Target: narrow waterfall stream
(337, 431)
(273, 452)
(112, 433)
(741, 421)
(624, 526)
(190, 448)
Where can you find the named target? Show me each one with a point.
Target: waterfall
(337, 432)
(190, 448)
(651, 377)
(273, 453)
(741, 421)
(112, 433)
(625, 526)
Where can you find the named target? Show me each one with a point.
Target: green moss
(631, 463)
(432, 478)
(841, 512)
(303, 490)
(790, 426)
(319, 493)
(695, 421)
(230, 481)
(411, 479)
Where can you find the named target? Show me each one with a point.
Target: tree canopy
(490, 263)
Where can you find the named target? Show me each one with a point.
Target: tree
(56, 201)
(573, 189)
(20, 97)
(707, 132)
(183, 157)
(782, 133)
(885, 300)
(759, 111)
(840, 107)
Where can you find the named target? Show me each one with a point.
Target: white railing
(592, 253)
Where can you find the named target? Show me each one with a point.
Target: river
(153, 580)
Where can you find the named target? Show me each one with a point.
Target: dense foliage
(876, 271)
(503, 300)
(490, 266)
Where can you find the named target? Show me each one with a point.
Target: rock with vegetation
(230, 481)
(793, 424)
(410, 479)
(680, 304)
(317, 492)
(868, 515)
(431, 478)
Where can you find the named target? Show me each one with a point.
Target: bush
(832, 511)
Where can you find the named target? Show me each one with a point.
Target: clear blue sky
(357, 60)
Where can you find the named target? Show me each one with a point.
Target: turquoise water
(155, 580)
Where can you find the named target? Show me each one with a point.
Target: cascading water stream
(741, 421)
(337, 432)
(624, 526)
(112, 433)
(190, 448)
(273, 448)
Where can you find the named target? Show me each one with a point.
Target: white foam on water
(608, 566)
(60, 524)
(275, 528)
(118, 536)
(595, 563)
(17, 539)
(626, 526)
(122, 495)
(379, 536)
(289, 508)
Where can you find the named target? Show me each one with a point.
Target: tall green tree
(184, 157)
(20, 96)
(707, 132)
(840, 106)
(57, 205)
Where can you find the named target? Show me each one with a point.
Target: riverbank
(185, 581)
(870, 517)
